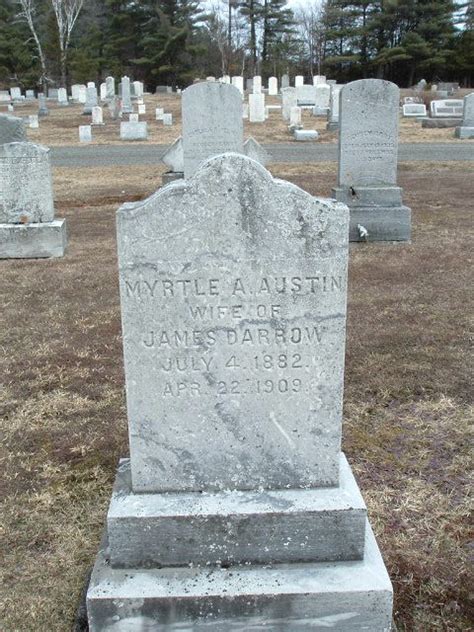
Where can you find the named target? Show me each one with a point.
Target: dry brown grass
(61, 126)
(407, 397)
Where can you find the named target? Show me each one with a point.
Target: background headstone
(126, 96)
(289, 99)
(133, 130)
(256, 108)
(85, 133)
(97, 116)
(272, 86)
(12, 129)
(212, 123)
(466, 129)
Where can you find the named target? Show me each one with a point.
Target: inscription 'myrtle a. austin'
(264, 286)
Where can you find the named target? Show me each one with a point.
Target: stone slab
(432, 123)
(343, 596)
(33, 241)
(305, 134)
(382, 223)
(464, 132)
(233, 527)
(233, 294)
(130, 130)
(369, 196)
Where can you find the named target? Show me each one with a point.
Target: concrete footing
(343, 596)
(464, 132)
(277, 560)
(379, 210)
(34, 240)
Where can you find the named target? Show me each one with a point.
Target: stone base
(235, 527)
(464, 132)
(332, 126)
(379, 210)
(34, 240)
(439, 122)
(171, 176)
(343, 596)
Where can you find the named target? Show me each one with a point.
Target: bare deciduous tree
(310, 19)
(66, 12)
(28, 12)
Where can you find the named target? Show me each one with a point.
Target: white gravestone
(272, 86)
(285, 81)
(413, 109)
(466, 129)
(289, 99)
(306, 95)
(238, 82)
(103, 91)
(333, 113)
(27, 225)
(141, 108)
(133, 130)
(256, 108)
(126, 96)
(97, 116)
(368, 148)
(42, 105)
(253, 149)
(109, 88)
(133, 118)
(16, 94)
(446, 108)
(295, 115)
(299, 81)
(233, 297)
(167, 119)
(319, 79)
(62, 96)
(212, 123)
(159, 113)
(33, 121)
(12, 129)
(91, 99)
(75, 88)
(322, 97)
(257, 84)
(85, 133)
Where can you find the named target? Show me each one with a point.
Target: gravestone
(75, 89)
(272, 86)
(42, 105)
(114, 105)
(446, 108)
(91, 99)
(141, 108)
(12, 129)
(159, 113)
(126, 96)
(133, 118)
(285, 81)
(138, 89)
(85, 133)
(301, 135)
(33, 121)
(253, 149)
(333, 113)
(27, 225)
(249, 84)
(256, 108)
(299, 81)
(238, 82)
(319, 80)
(466, 129)
(97, 116)
(130, 130)
(167, 118)
(103, 91)
(5, 96)
(368, 147)
(212, 123)
(236, 509)
(322, 97)
(306, 95)
(109, 88)
(30, 95)
(15, 94)
(53, 93)
(174, 157)
(257, 84)
(62, 97)
(295, 115)
(289, 99)
(413, 109)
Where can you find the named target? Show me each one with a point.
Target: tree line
(172, 42)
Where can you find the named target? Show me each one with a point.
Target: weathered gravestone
(238, 82)
(256, 108)
(413, 109)
(289, 99)
(42, 105)
(272, 86)
(212, 122)
(27, 225)
(299, 81)
(109, 88)
(62, 97)
(12, 129)
(285, 81)
(306, 94)
(322, 98)
(97, 115)
(133, 130)
(85, 133)
(236, 509)
(91, 99)
(333, 113)
(125, 94)
(368, 147)
(466, 129)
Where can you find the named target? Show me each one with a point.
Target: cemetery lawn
(408, 412)
(61, 126)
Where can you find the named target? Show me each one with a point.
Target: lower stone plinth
(235, 527)
(464, 132)
(34, 240)
(342, 596)
(379, 210)
(433, 123)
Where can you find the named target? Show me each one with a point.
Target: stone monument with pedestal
(368, 148)
(236, 509)
(28, 229)
(466, 129)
